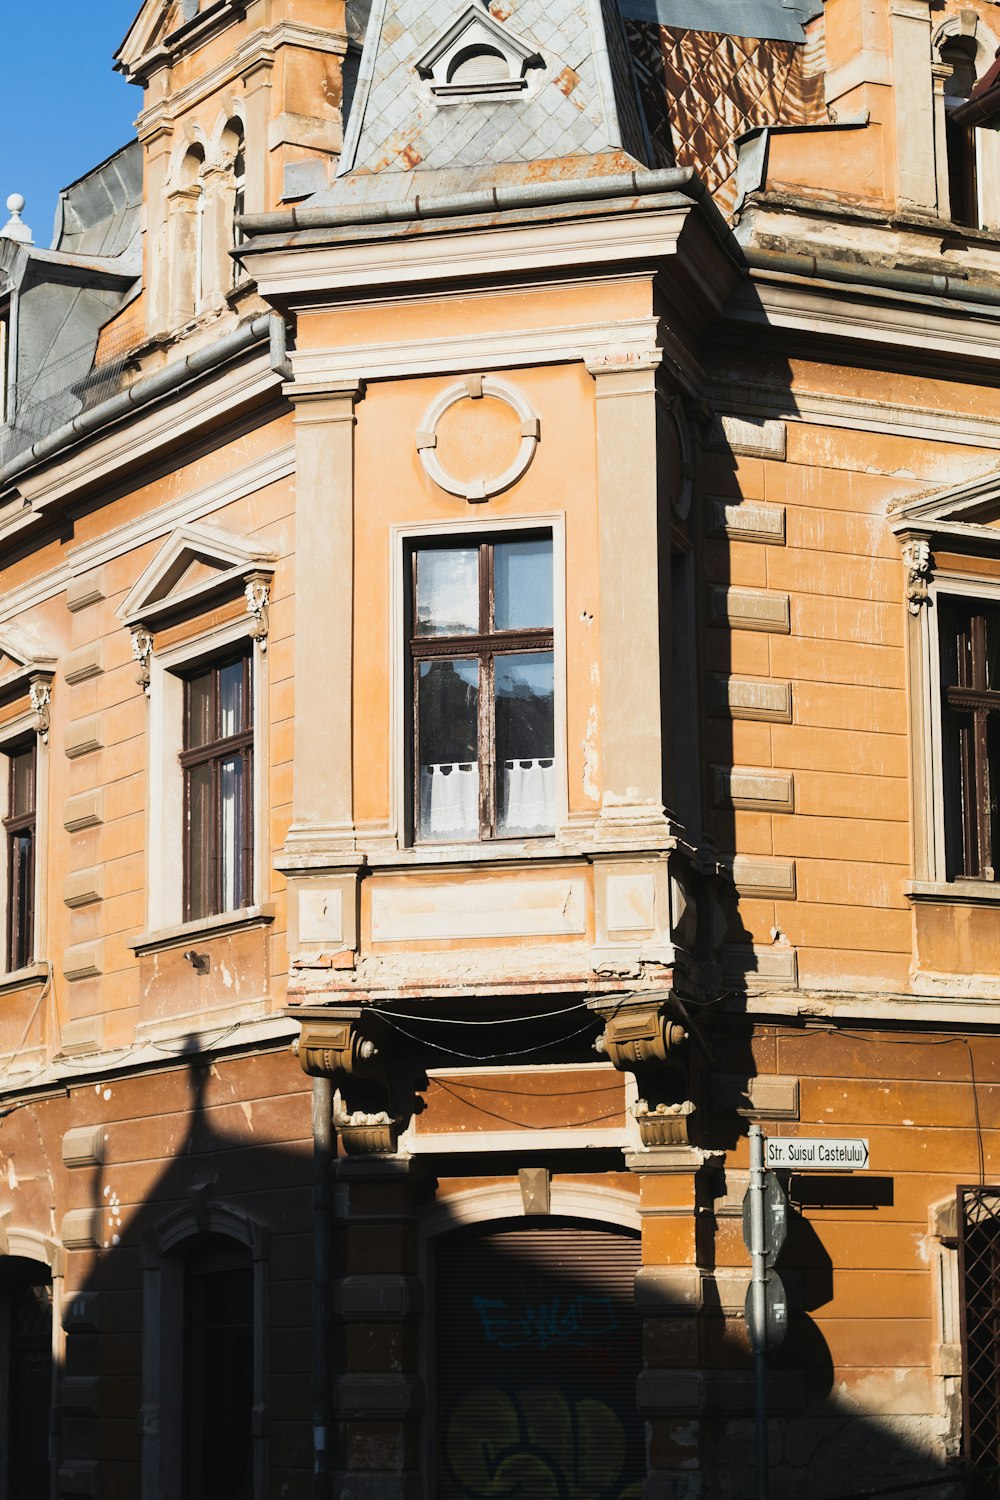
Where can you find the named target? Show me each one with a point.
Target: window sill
(497, 851)
(203, 927)
(18, 979)
(954, 892)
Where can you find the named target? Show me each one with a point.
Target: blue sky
(62, 109)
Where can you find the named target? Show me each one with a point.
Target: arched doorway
(537, 1346)
(25, 1377)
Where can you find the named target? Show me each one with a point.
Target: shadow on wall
(188, 1351)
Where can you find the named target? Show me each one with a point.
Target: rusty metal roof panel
(768, 20)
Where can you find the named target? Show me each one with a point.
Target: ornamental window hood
(477, 58)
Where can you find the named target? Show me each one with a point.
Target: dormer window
(959, 53)
(477, 59)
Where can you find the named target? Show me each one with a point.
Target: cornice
(504, 348)
(256, 50)
(858, 413)
(140, 438)
(271, 469)
(512, 244)
(912, 325)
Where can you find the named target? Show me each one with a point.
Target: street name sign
(814, 1154)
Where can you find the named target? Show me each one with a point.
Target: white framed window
(479, 683)
(207, 788)
(960, 651)
(24, 796)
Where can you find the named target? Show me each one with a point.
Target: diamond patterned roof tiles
(581, 102)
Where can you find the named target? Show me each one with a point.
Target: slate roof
(583, 108)
(62, 298)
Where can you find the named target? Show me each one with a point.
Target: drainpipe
(322, 1123)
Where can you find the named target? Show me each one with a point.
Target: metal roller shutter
(537, 1351)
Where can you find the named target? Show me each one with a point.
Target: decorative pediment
(195, 567)
(27, 667)
(162, 25)
(477, 58)
(969, 510)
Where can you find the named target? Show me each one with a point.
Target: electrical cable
(544, 1015)
(486, 1056)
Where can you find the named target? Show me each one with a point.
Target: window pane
(447, 590)
(522, 582)
(22, 782)
(20, 852)
(525, 724)
(448, 750)
(231, 715)
(200, 842)
(992, 648)
(200, 729)
(232, 832)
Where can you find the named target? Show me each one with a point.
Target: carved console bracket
(40, 695)
(648, 1037)
(142, 650)
(917, 561)
(338, 1049)
(258, 596)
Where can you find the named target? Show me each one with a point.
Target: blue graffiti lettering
(557, 1321)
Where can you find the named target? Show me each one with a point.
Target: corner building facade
(499, 597)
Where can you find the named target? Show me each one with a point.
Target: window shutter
(538, 1346)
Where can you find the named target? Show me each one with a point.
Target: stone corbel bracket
(338, 1049)
(647, 1037)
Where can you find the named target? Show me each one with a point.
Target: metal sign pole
(758, 1284)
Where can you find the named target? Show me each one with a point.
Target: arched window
(959, 54)
(189, 218)
(204, 1321)
(537, 1346)
(237, 144)
(479, 64)
(217, 1416)
(25, 1377)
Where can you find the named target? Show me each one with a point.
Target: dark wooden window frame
(969, 707)
(485, 646)
(21, 828)
(212, 754)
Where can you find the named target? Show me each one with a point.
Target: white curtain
(529, 796)
(449, 801)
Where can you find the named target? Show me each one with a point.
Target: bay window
(482, 681)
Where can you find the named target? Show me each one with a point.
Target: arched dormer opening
(967, 143)
(958, 57)
(187, 210)
(232, 202)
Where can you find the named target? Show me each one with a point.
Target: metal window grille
(979, 1279)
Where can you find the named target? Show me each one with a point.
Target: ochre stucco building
(500, 688)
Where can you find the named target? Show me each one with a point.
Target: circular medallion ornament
(523, 437)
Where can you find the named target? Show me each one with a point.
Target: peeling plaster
(589, 746)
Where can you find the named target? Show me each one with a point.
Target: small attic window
(476, 59)
(479, 65)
